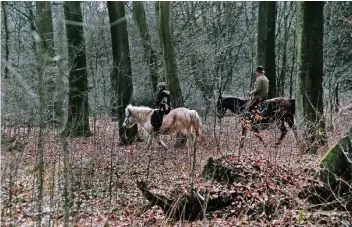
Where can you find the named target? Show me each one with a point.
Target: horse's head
(220, 107)
(130, 119)
(136, 114)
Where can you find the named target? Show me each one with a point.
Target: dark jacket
(163, 101)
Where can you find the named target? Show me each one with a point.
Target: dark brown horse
(277, 110)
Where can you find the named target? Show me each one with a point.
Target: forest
(79, 84)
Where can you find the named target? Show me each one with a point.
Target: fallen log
(189, 206)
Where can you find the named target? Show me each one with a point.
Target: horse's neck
(143, 115)
(238, 105)
(233, 105)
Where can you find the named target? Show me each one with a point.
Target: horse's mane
(138, 108)
(141, 111)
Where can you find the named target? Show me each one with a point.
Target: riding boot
(159, 121)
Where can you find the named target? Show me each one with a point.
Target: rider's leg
(159, 121)
(252, 104)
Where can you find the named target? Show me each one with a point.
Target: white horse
(181, 120)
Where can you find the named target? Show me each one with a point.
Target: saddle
(263, 107)
(157, 118)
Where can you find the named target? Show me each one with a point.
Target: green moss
(328, 154)
(335, 160)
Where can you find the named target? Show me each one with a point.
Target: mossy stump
(337, 162)
(332, 185)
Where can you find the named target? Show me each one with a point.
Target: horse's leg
(283, 132)
(160, 142)
(149, 141)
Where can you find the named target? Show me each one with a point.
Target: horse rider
(261, 88)
(162, 104)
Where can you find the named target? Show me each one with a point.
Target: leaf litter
(103, 180)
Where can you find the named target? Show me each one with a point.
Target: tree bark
(284, 67)
(6, 33)
(45, 30)
(292, 68)
(167, 43)
(62, 65)
(170, 65)
(78, 114)
(309, 94)
(42, 60)
(266, 42)
(149, 53)
(121, 73)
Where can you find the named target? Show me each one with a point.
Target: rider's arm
(158, 99)
(257, 88)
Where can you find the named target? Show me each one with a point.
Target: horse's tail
(196, 122)
(293, 105)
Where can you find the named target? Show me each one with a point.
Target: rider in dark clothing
(162, 105)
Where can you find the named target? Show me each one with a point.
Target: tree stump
(337, 161)
(334, 178)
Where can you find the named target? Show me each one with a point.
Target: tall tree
(60, 48)
(309, 94)
(6, 32)
(149, 52)
(45, 30)
(78, 114)
(165, 31)
(266, 42)
(168, 49)
(43, 53)
(287, 20)
(121, 73)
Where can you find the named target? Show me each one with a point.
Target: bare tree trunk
(59, 90)
(266, 42)
(45, 28)
(170, 65)
(122, 73)
(78, 113)
(293, 67)
(284, 68)
(41, 56)
(6, 32)
(149, 53)
(309, 95)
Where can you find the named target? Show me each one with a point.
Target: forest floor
(102, 175)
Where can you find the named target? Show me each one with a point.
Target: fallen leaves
(103, 176)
